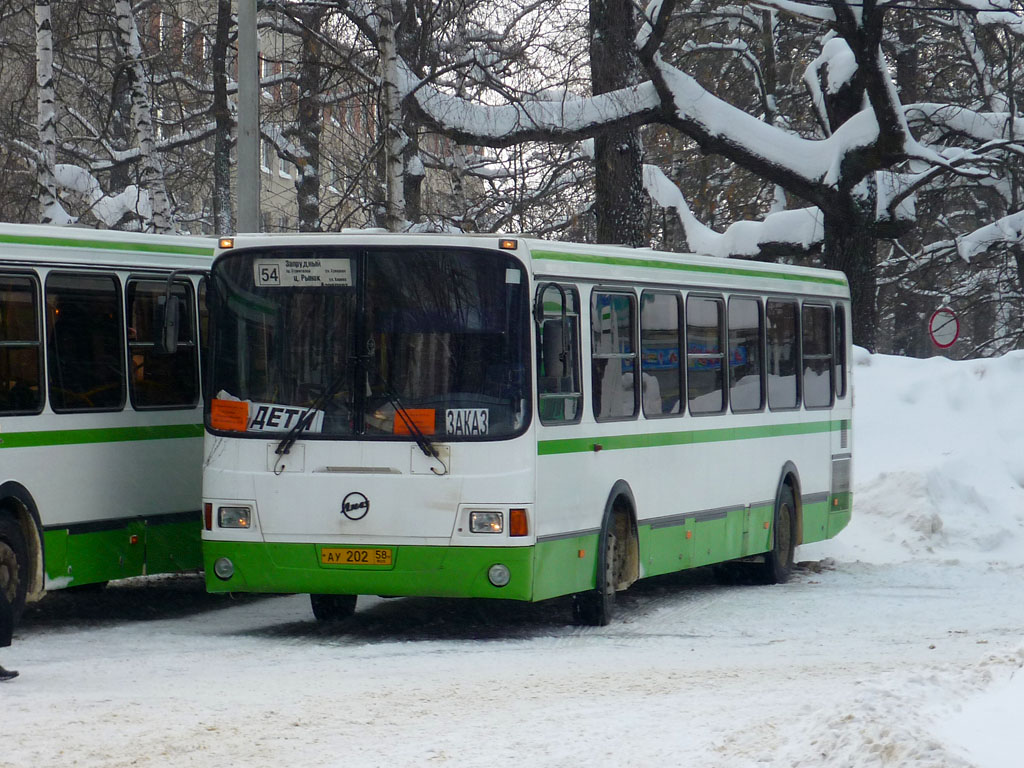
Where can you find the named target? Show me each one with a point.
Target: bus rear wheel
(596, 607)
(13, 564)
(778, 562)
(332, 607)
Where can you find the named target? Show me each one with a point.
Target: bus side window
(840, 352)
(559, 393)
(20, 349)
(746, 366)
(160, 380)
(782, 321)
(660, 343)
(817, 356)
(85, 342)
(705, 374)
(614, 363)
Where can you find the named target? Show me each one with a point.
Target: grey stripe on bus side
(699, 516)
(568, 535)
(814, 498)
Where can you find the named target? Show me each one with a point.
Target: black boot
(7, 674)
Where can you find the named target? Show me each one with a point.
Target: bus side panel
(174, 546)
(113, 505)
(816, 521)
(568, 521)
(759, 536)
(721, 539)
(132, 548)
(666, 549)
(564, 566)
(98, 555)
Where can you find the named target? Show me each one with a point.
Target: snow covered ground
(900, 644)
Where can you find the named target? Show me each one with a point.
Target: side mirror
(166, 324)
(538, 307)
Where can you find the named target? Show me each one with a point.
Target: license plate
(355, 556)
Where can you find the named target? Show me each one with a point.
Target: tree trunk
(307, 185)
(222, 214)
(50, 211)
(151, 176)
(850, 249)
(618, 155)
(395, 138)
(413, 175)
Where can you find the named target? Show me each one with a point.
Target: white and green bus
(100, 430)
(476, 416)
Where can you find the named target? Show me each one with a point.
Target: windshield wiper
(424, 442)
(307, 418)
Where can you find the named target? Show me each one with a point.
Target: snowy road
(862, 665)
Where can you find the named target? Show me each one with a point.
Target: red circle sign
(944, 328)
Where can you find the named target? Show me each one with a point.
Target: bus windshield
(370, 342)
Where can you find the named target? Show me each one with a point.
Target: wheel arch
(620, 511)
(789, 476)
(17, 502)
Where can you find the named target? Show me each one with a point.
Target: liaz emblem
(355, 506)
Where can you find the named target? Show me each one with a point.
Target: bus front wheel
(778, 562)
(332, 607)
(13, 564)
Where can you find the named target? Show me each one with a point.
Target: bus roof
(41, 244)
(554, 259)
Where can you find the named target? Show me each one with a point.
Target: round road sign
(944, 328)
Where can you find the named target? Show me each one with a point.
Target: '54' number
(268, 274)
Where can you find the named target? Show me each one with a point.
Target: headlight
(234, 517)
(485, 522)
(224, 568)
(499, 575)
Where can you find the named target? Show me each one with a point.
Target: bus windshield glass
(369, 343)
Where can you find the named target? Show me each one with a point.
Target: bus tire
(13, 564)
(332, 607)
(596, 607)
(778, 561)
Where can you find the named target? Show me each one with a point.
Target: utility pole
(248, 156)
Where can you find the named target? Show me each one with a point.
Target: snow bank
(938, 461)
(986, 729)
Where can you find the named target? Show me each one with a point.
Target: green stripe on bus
(106, 245)
(101, 435)
(691, 437)
(618, 261)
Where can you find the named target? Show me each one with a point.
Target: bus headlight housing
(486, 522)
(234, 517)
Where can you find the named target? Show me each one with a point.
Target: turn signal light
(226, 242)
(208, 515)
(518, 525)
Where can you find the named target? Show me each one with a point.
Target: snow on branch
(797, 230)
(1005, 231)
(568, 118)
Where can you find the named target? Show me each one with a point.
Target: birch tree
(50, 210)
(157, 218)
